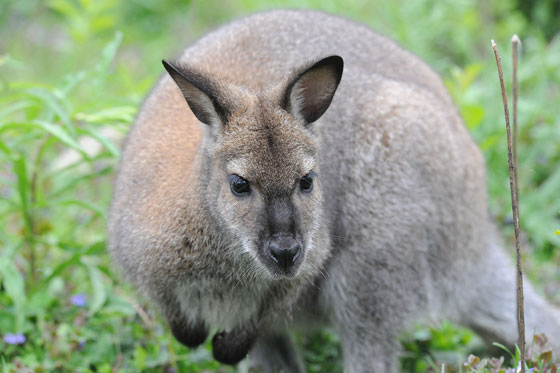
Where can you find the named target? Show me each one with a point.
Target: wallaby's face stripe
(281, 216)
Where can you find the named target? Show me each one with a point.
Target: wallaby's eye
(306, 182)
(238, 185)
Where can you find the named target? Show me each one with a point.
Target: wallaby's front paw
(231, 347)
(191, 335)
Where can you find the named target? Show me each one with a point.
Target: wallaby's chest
(220, 302)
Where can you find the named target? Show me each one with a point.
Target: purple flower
(14, 339)
(518, 369)
(78, 300)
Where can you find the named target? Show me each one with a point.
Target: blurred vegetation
(74, 72)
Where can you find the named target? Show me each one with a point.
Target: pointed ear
(310, 93)
(200, 92)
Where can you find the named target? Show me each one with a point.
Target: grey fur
(395, 230)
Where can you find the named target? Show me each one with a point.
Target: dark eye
(306, 182)
(238, 185)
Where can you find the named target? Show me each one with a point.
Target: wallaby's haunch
(267, 202)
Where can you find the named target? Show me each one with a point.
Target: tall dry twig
(515, 208)
(515, 43)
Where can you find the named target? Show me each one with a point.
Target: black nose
(284, 251)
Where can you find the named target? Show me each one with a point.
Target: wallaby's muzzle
(281, 246)
(284, 252)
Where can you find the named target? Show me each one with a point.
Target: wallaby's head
(260, 176)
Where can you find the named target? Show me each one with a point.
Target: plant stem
(515, 42)
(33, 199)
(515, 209)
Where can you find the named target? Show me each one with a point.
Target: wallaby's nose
(284, 251)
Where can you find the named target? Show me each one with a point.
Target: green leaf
(472, 115)
(108, 54)
(557, 232)
(490, 142)
(57, 131)
(98, 288)
(503, 348)
(14, 285)
(61, 135)
(70, 81)
(50, 100)
(24, 187)
(123, 114)
(17, 106)
(74, 259)
(102, 140)
(140, 356)
(74, 202)
(97, 248)
(5, 148)
(517, 356)
(65, 8)
(94, 249)
(80, 180)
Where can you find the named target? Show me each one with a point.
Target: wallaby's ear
(310, 93)
(200, 92)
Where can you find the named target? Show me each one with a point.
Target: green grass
(72, 75)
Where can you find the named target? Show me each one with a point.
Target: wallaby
(253, 200)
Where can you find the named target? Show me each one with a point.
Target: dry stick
(515, 42)
(515, 208)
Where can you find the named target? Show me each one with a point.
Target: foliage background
(72, 75)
